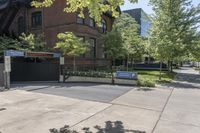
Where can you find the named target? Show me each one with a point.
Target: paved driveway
(173, 108)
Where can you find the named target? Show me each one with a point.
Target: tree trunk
(149, 59)
(181, 64)
(124, 63)
(74, 63)
(94, 66)
(127, 62)
(160, 76)
(113, 62)
(112, 71)
(168, 66)
(134, 65)
(131, 63)
(171, 64)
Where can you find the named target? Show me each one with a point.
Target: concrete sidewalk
(182, 111)
(28, 112)
(174, 109)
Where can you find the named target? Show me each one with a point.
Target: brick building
(17, 16)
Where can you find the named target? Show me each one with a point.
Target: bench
(126, 78)
(127, 75)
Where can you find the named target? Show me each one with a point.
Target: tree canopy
(195, 50)
(7, 43)
(71, 45)
(124, 40)
(131, 39)
(96, 7)
(33, 42)
(25, 42)
(174, 28)
(113, 45)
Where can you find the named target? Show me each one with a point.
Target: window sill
(36, 28)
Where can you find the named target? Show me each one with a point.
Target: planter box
(80, 79)
(88, 79)
(125, 82)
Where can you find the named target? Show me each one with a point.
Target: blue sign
(127, 75)
(14, 53)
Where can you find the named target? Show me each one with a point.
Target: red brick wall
(55, 21)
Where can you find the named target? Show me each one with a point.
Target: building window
(91, 22)
(21, 25)
(80, 20)
(92, 42)
(104, 26)
(36, 19)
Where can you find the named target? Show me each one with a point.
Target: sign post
(62, 63)
(7, 70)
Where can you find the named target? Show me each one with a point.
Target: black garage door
(24, 71)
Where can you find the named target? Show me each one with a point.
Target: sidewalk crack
(159, 118)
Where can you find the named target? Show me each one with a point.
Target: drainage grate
(2, 109)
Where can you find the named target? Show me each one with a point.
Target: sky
(145, 6)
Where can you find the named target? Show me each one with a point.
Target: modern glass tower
(142, 19)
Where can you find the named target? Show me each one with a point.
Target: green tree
(195, 51)
(7, 43)
(71, 45)
(148, 50)
(33, 42)
(173, 28)
(131, 39)
(96, 7)
(113, 45)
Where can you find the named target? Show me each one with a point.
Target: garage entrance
(34, 71)
(33, 66)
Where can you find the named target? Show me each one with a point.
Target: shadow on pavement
(180, 85)
(190, 78)
(32, 86)
(145, 89)
(185, 81)
(110, 127)
(53, 83)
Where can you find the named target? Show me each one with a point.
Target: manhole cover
(2, 109)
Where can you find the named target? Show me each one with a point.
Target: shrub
(98, 74)
(146, 83)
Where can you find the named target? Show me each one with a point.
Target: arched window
(104, 26)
